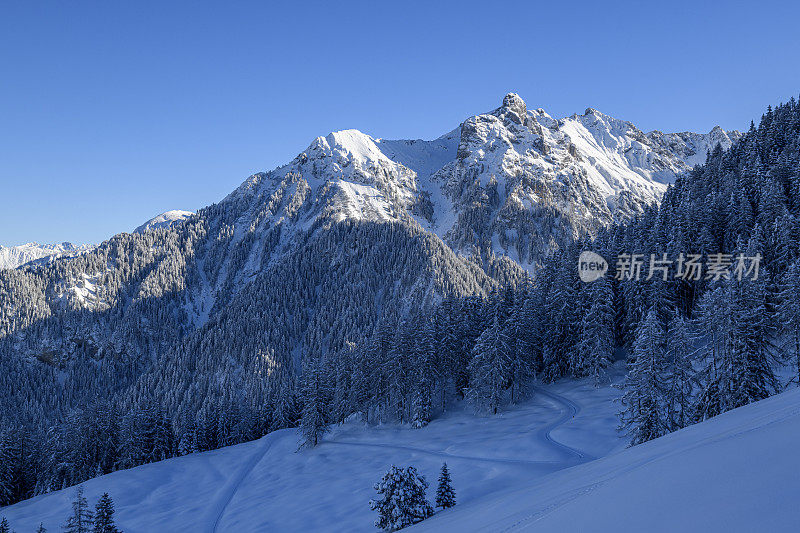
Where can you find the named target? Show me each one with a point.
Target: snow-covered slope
(532, 468)
(14, 256)
(268, 485)
(164, 220)
(736, 472)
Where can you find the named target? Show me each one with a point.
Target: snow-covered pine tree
(490, 368)
(11, 465)
(284, 414)
(4, 526)
(789, 314)
(645, 416)
(520, 350)
(398, 373)
(448, 345)
(41, 528)
(595, 347)
(713, 324)
(403, 501)
(750, 376)
(561, 320)
(104, 515)
(80, 521)
(313, 422)
(445, 493)
(681, 373)
(339, 375)
(424, 375)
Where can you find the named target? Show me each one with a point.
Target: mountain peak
(164, 220)
(514, 108)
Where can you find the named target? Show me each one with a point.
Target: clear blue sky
(112, 112)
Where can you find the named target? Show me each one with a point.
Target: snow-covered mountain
(511, 182)
(14, 256)
(164, 220)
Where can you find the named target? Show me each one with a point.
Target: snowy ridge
(167, 219)
(14, 256)
(511, 182)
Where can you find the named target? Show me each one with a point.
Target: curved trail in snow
(445, 455)
(570, 410)
(232, 486)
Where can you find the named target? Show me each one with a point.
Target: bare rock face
(514, 108)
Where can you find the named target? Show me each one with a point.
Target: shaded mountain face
(305, 260)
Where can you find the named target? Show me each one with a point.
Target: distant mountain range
(14, 256)
(32, 252)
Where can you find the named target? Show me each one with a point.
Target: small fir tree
(104, 515)
(81, 519)
(445, 494)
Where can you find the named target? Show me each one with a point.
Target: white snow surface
(14, 256)
(530, 468)
(737, 472)
(268, 485)
(164, 220)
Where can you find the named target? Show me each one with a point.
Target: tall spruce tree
(789, 314)
(645, 416)
(680, 373)
(490, 368)
(313, 422)
(595, 348)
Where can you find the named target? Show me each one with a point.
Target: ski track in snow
(230, 491)
(441, 454)
(570, 411)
